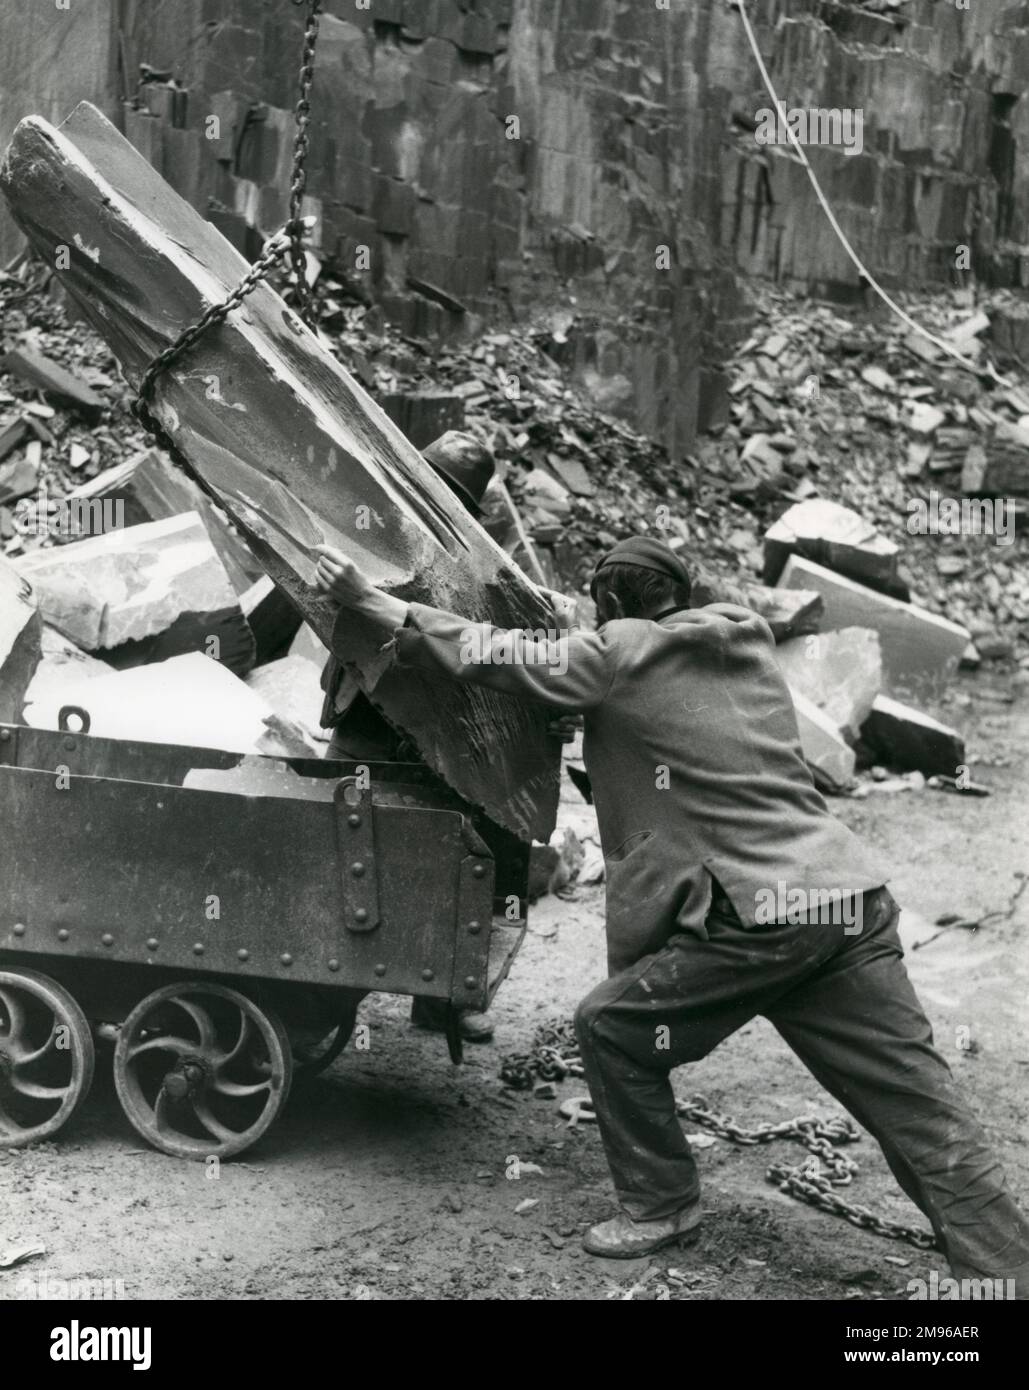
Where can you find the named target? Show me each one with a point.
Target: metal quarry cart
(219, 916)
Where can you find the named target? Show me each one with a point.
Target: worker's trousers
(842, 1000)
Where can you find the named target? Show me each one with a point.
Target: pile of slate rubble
(860, 488)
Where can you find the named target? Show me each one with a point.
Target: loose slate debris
(18, 478)
(150, 488)
(291, 686)
(48, 376)
(21, 632)
(61, 666)
(12, 435)
(254, 776)
(788, 612)
(834, 536)
(920, 651)
(272, 618)
(188, 699)
(840, 672)
(831, 761)
(911, 741)
(142, 594)
(424, 416)
(287, 441)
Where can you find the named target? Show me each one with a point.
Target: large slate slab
(287, 441)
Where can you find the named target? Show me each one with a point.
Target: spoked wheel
(311, 1054)
(46, 1057)
(200, 1070)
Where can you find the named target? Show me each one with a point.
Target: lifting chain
(806, 1181)
(290, 238)
(274, 249)
(555, 1054)
(301, 295)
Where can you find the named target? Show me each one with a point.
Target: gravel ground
(387, 1178)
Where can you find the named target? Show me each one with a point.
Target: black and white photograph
(514, 669)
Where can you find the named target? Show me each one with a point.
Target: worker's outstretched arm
(568, 670)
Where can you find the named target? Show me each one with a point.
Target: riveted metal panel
(355, 846)
(219, 882)
(474, 910)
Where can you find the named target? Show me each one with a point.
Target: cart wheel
(311, 1057)
(46, 1057)
(200, 1070)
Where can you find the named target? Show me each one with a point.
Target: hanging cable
(891, 303)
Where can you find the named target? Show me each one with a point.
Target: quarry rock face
(508, 151)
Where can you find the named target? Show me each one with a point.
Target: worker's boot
(476, 1027)
(622, 1238)
(431, 1014)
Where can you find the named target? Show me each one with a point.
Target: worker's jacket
(691, 745)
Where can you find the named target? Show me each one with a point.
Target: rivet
(198, 948)
(107, 939)
(5, 734)
(380, 970)
(474, 928)
(479, 870)
(19, 928)
(357, 870)
(286, 958)
(361, 915)
(428, 974)
(333, 964)
(62, 935)
(242, 953)
(152, 944)
(354, 820)
(69, 743)
(469, 982)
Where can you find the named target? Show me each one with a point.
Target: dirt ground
(387, 1177)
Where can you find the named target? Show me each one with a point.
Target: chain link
(290, 239)
(300, 295)
(555, 1054)
(275, 248)
(806, 1181)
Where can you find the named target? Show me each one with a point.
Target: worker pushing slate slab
(282, 436)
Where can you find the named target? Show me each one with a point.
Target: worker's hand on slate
(563, 606)
(340, 578)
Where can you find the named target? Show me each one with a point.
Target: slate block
(920, 650)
